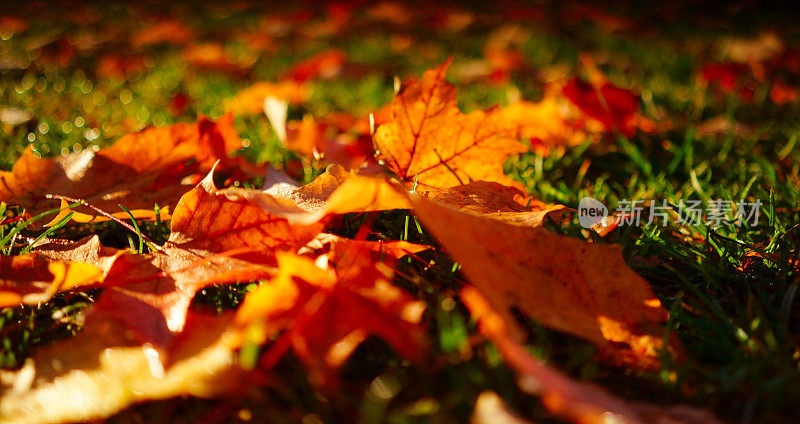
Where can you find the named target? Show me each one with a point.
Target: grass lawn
(76, 77)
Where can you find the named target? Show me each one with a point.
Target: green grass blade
(21, 226)
(135, 225)
(62, 222)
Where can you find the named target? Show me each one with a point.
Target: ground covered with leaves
(387, 212)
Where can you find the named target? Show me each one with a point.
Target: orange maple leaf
(326, 313)
(338, 139)
(213, 56)
(614, 107)
(325, 65)
(166, 31)
(138, 171)
(217, 220)
(497, 201)
(33, 279)
(430, 143)
(217, 236)
(250, 101)
(546, 124)
(335, 192)
(338, 191)
(577, 402)
(582, 289)
(337, 247)
(52, 267)
(102, 370)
